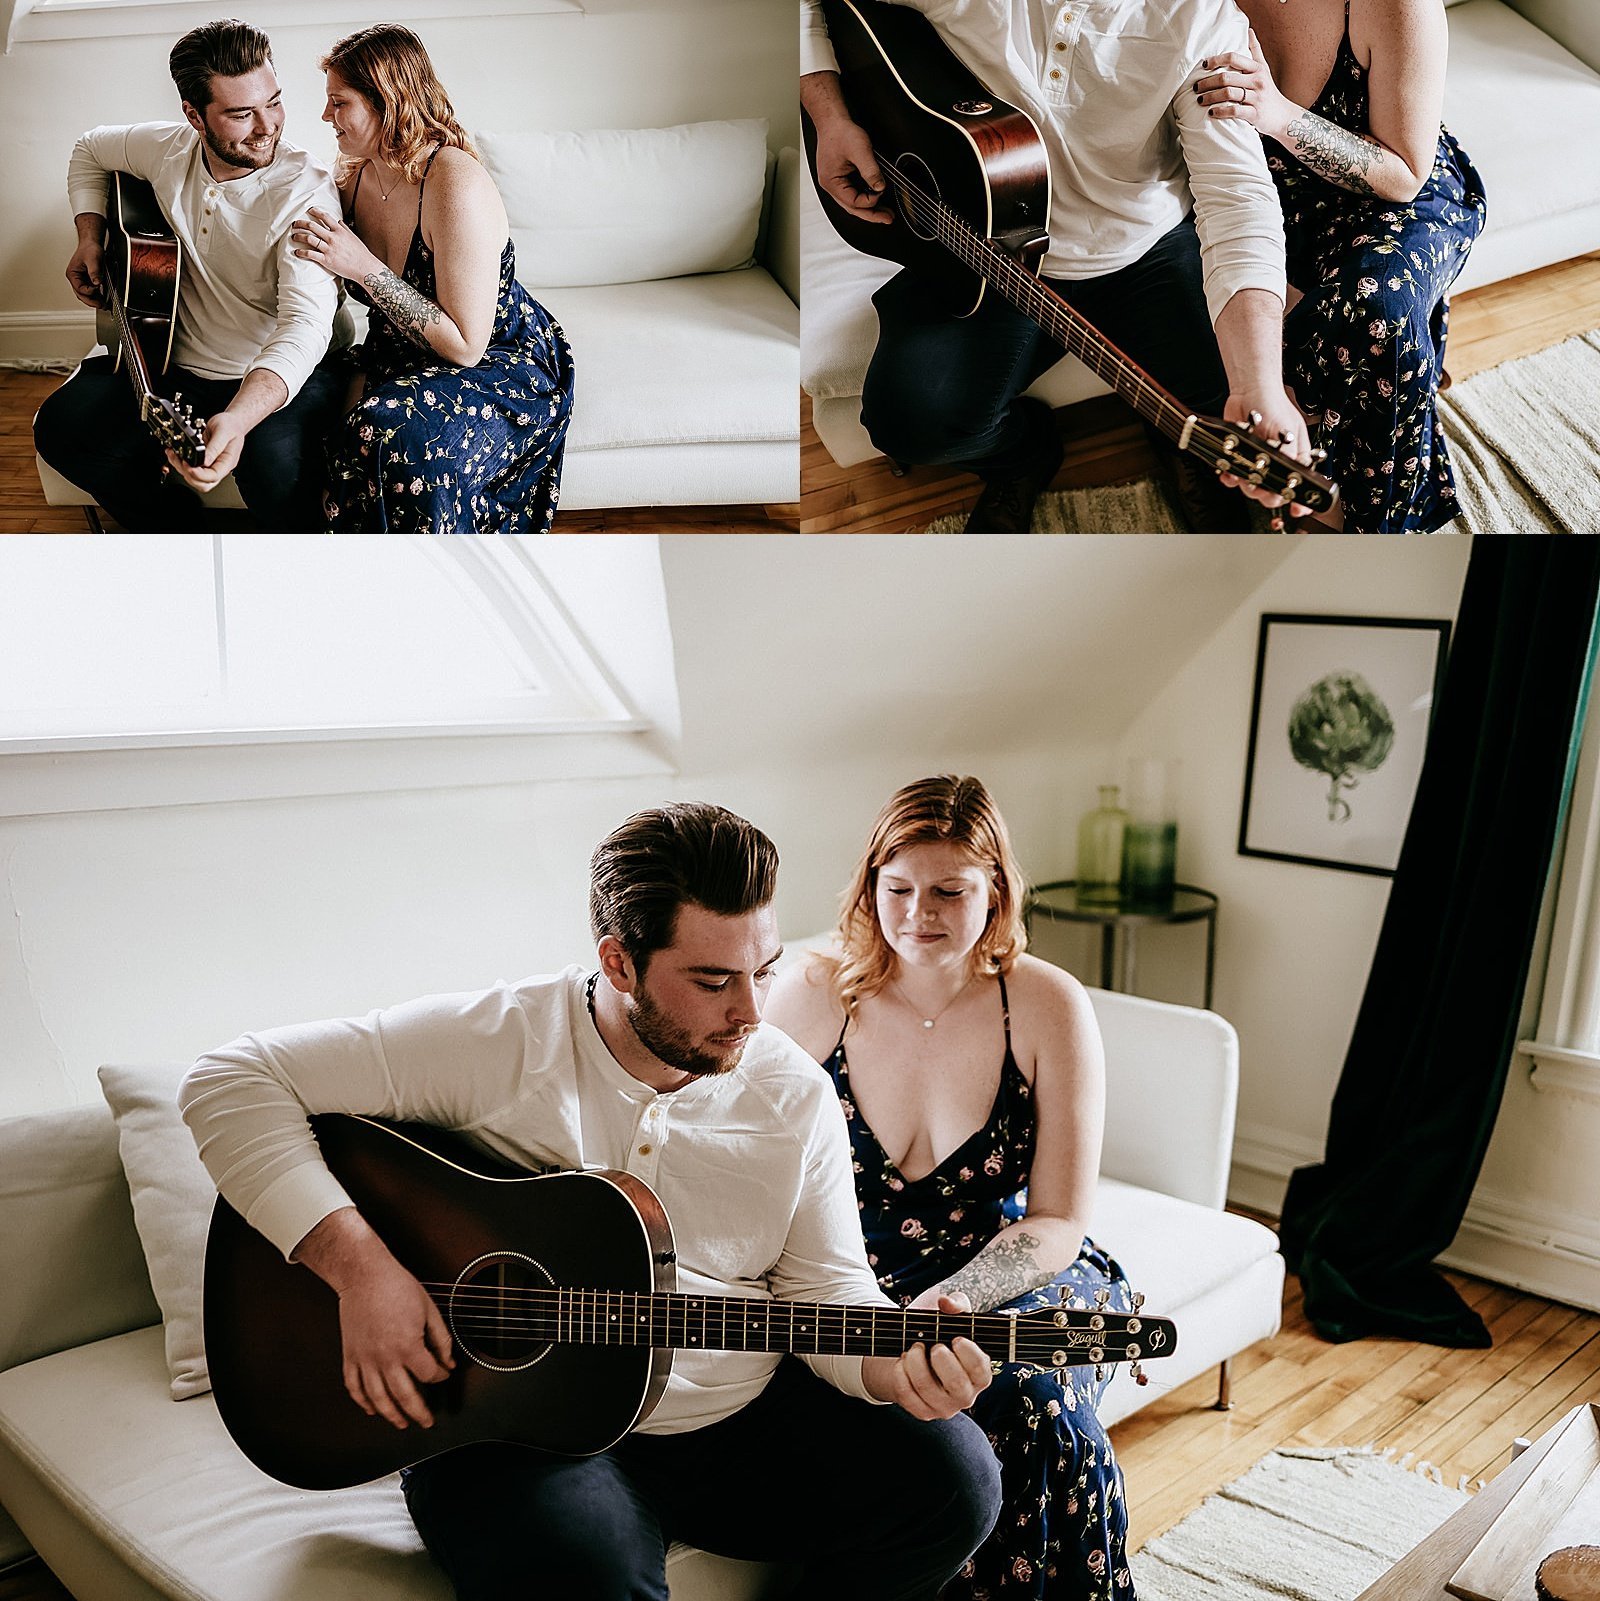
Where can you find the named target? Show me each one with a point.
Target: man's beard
(238, 155)
(669, 1043)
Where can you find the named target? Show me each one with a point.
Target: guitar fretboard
(534, 1316)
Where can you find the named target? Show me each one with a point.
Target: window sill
(99, 19)
(106, 775)
(1563, 1071)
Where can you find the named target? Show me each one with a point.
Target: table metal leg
(1108, 956)
(1211, 954)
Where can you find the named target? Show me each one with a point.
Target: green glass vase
(1101, 838)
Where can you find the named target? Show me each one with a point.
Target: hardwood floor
(1105, 443)
(1457, 1409)
(23, 509)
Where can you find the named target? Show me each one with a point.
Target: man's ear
(196, 121)
(616, 966)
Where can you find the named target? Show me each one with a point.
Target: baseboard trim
(1544, 1250)
(27, 336)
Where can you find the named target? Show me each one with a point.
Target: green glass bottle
(1100, 842)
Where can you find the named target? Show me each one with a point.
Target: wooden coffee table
(1421, 1574)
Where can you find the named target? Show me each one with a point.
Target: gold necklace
(383, 194)
(928, 1022)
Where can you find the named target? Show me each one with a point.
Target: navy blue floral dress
(1063, 1525)
(435, 448)
(1365, 347)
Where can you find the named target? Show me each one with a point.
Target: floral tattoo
(1343, 157)
(410, 312)
(1005, 1269)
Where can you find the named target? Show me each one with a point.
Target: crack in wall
(25, 967)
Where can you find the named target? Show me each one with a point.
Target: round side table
(1060, 902)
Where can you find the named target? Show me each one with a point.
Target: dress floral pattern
(1365, 347)
(1063, 1525)
(435, 448)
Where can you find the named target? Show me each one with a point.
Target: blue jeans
(871, 1504)
(89, 431)
(941, 389)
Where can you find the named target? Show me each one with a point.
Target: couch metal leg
(1224, 1400)
(91, 515)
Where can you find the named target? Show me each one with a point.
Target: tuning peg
(1136, 1300)
(1138, 1373)
(1100, 1372)
(1102, 1298)
(1318, 454)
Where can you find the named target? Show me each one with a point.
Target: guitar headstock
(1233, 448)
(1073, 1334)
(177, 428)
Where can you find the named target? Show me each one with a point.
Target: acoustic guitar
(969, 179)
(142, 266)
(559, 1293)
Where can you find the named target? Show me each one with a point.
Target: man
(657, 1063)
(254, 321)
(1132, 154)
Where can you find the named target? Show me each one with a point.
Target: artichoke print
(1340, 727)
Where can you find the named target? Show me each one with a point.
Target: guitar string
(984, 257)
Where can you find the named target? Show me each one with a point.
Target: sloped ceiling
(830, 645)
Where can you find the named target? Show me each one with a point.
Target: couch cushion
(1528, 113)
(623, 205)
(684, 361)
(95, 1458)
(1173, 1250)
(172, 1201)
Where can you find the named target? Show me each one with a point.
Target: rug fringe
(1389, 1453)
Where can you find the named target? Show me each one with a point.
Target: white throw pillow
(172, 1200)
(627, 205)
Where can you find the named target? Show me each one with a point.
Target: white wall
(623, 63)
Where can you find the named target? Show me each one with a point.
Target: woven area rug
(1313, 1525)
(1524, 442)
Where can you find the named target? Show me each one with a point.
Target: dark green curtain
(1427, 1063)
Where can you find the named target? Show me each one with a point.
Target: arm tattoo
(1004, 1269)
(1335, 153)
(402, 305)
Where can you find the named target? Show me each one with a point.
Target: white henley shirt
(753, 1166)
(1108, 84)
(245, 300)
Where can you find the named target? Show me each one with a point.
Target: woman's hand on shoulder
(803, 1005)
(332, 245)
(1239, 87)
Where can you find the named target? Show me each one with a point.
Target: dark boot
(1007, 502)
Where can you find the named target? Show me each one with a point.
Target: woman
(973, 1085)
(1380, 206)
(458, 412)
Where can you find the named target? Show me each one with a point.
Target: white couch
(671, 258)
(1522, 95)
(131, 1496)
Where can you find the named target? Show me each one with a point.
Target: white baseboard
(1543, 1250)
(46, 335)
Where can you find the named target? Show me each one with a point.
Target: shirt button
(645, 1149)
(1061, 44)
(1055, 72)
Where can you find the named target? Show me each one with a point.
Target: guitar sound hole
(917, 188)
(500, 1312)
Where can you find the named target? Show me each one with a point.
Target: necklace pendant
(928, 1022)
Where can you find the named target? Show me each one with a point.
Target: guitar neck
(132, 355)
(738, 1323)
(1036, 300)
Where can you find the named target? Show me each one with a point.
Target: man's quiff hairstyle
(226, 49)
(643, 871)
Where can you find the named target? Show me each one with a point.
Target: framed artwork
(1338, 726)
